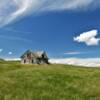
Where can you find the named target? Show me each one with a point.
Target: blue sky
(66, 28)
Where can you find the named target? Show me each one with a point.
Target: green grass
(48, 82)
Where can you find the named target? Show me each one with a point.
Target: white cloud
(73, 53)
(4, 37)
(89, 38)
(89, 62)
(1, 50)
(13, 10)
(85, 62)
(12, 59)
(11, 29)
(10, 53)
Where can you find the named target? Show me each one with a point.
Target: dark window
(32, 61)
(24, 60)
(28, 55)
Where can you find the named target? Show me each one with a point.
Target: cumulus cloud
(11, 10)
(88, 62)
(89, 38)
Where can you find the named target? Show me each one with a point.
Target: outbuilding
(38, 57)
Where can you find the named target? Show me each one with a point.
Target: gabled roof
(36, 54)
(28, 51)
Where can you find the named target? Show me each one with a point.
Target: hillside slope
(48, 82)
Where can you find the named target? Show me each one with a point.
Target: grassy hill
(48, 82)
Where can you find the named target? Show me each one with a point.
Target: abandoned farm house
(38, 57)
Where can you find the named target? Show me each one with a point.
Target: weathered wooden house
(38, 57)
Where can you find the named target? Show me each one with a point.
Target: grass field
(48, 82)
